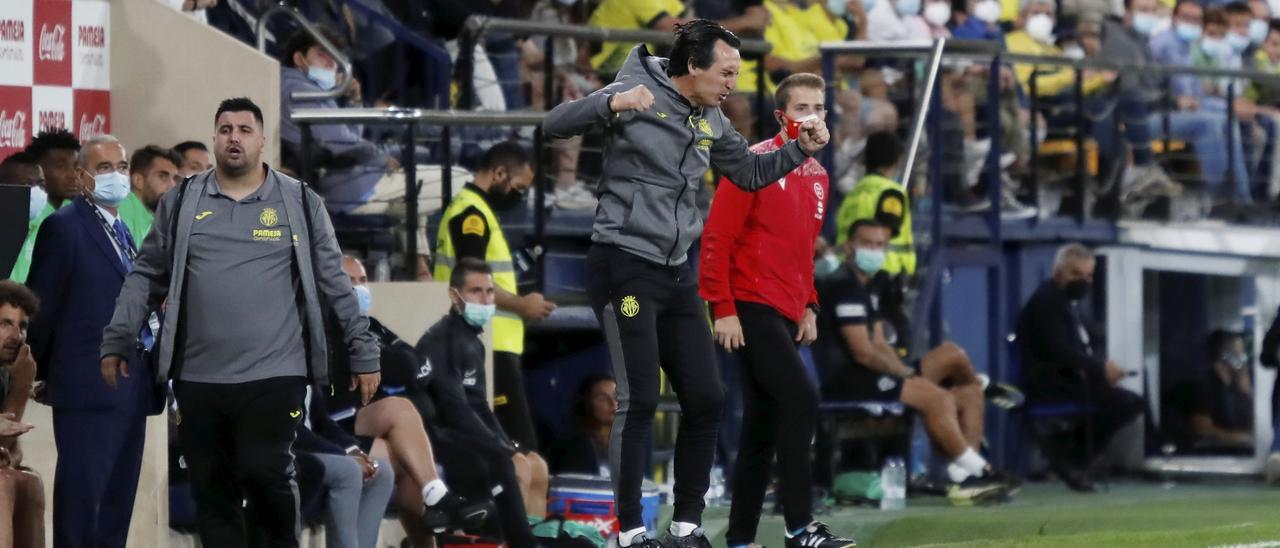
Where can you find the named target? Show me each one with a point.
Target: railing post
(1034, 99)
(1231, 143)
(306, 169)
(411, 189)
(539, 206)
(995, 188)
(446, 166)
(760, 97)
(937, 259)
(1081, 189)
(466, 69)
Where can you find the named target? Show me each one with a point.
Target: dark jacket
(76, 273)
(455, 354)
(1056, 361)
(160, 271)
(655, 160)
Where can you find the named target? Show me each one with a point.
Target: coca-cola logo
(52, 47)
(13, 129)
(91, 128)
(51, 120)
(93, 37)
(13, 30)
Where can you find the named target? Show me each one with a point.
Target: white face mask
(109, 189)
(1074, 52)
(937, 14)
(1040, 27)
(987, 11)
(39, 198)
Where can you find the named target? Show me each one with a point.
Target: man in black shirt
(860, 363)
(1064, 361)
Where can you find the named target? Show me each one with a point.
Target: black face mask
(504, 200)
(1076, 290)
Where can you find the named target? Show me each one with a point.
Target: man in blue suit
(81, 257)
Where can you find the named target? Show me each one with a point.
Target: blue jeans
(1205, 132)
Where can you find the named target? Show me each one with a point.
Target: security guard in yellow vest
(877, 196)
(469, 228)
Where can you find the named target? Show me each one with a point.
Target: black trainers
(455, 512)
(978, 490)
(1004, 395)
(696, 539)
(643, 541)
(818, 535)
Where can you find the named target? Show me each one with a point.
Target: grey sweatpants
(355, 508)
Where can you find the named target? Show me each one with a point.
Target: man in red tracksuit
(757, 274)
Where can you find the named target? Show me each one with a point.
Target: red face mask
(792, 127)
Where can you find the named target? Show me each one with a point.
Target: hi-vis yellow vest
(862, 203)
(508, 328)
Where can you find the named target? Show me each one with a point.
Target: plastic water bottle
(893, 482)
(716, 491)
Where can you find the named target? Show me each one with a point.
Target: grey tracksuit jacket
(655, 160)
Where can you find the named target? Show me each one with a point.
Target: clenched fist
(636, 98)
(813, 136)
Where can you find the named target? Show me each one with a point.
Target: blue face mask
(1187, 32)
(908, 7)
(1212, 46)
(363, 298)
(477, 314)
(1144, 23)
(325, 78)
(1258, 30)
(39, 198)
(1237, 42)
(837, 8)
(109, 189)
(869, 261)
(826, 265)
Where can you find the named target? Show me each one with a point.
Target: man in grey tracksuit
(663, 130)
(249, 268)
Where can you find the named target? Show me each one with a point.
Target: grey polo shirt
(242, 318)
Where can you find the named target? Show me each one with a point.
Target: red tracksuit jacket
(758, 246)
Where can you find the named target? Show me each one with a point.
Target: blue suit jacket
(77, 274)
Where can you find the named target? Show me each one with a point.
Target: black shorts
(865, 385)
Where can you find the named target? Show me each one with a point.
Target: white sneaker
(1010, 207)
(1149, 181)
(576, 197)
(975, 157)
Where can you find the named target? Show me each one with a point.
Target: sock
(956, 473)
(971, 462)
(625, 537)
(681, 528)
(434, 491)
(984, 380)
(797, 532)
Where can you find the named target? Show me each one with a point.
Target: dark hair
(863, 223)
(145, 156)
(582, 401)
(696, 44)
(1238, 8)
(17, 295)
(20, 158)
(46, 141)
(1177, 6)
(1215, 16)
(1273, 26)
(1219, 339)
(467, 265)
(799, 79)
(509, 154)
(238, 104)
(302, 41)
(183, 147)
(884, 149)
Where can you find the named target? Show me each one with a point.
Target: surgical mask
(987, 11)
(39, 199)
(1238, 42)
(1258, 30)
(477, 314)
(1212, 46)
(1074, 52)
(1187, 32)
(1040, 27)
(324, 77)
(793, 126)
(1144, 23)
(109, 189)
(908, 7)
(937, 14)
(1076, 290)
(1236, 361)
(826, 265)
(869, 261)
(838, 8)
(363, 298)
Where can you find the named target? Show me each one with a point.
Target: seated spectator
(195, 158)
(859, 362)
(1033, 35)
(56, 152)
(1223, 415)
(931, 23)
(586, 450)
(152, 172)
(660, 15)
(1223, 182)
(426, 504)
(21, 491)
(1266, 93)
(1259, 122)
(473, 449)
(356, 487)
(1064, 361)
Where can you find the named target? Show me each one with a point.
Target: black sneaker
(818, 535)
(977, 491)
(1004, 395)
(696, 539)
(643, 541)
(455, 512)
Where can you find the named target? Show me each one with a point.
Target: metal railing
(409, 119)
(343, 62)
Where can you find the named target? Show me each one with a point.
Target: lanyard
(125, 248)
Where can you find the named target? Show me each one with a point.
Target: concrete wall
(168, 74)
